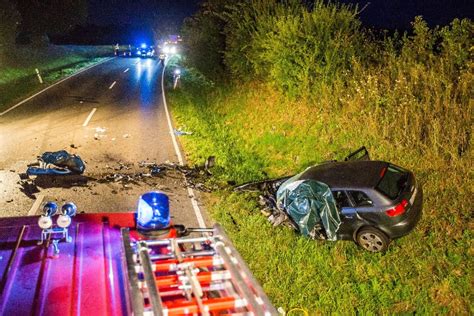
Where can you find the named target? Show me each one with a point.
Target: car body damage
(311, 206)
(370, 202)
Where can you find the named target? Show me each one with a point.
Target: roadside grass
(17, 67)
(256, 133)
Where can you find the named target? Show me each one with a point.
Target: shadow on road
(31, 186)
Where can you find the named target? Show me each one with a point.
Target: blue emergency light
(153, 211)
(143, 45)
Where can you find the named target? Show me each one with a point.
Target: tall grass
(254, 132)
(309, 84)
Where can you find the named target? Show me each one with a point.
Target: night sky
(386, 14)
(106, 12)
(392, 14)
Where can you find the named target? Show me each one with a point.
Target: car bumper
(408, 224)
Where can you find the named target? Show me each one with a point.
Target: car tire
(372, 239)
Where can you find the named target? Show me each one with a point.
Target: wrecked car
(369, 202)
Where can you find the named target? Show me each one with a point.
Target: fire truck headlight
(63, 221)
(45, 222)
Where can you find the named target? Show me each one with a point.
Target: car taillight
(399, 209)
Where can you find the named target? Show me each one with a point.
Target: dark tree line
(35, 20)
(9, 23)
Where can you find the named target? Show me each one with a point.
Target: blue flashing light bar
(153, 211)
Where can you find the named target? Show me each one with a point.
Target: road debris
(56, 163)
(179, 132)
(99, 133)
(125, 174)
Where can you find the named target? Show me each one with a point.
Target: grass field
(17, 67)
(255, 132)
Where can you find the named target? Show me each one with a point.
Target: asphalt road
(128, 126)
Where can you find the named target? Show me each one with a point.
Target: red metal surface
(171, 264)
(86, 278)
(192, 307)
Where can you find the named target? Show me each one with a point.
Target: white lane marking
(191, 195)
(126, 70)
(36, 205)
(89, 117)
(112, 85)
(54, 84)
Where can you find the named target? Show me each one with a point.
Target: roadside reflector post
(39, 76)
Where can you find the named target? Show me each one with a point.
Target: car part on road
(57, 163)
(179, 132)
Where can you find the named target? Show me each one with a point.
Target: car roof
(350, 174)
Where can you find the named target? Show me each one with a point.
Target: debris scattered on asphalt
(74, 146)
(155, 170)
(126, 174)
(99, 133)
(179, 132)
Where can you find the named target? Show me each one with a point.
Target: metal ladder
(199, 275)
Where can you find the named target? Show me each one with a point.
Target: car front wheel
(372, 239)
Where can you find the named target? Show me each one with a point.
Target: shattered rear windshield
(392, 182)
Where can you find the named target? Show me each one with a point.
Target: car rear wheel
(372, 239)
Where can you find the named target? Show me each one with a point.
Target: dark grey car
(377, 201)
(370, 202)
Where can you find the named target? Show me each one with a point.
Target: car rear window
(392, 182)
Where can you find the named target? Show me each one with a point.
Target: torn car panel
(311, 206)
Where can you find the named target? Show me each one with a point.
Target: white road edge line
(54, 84)
(191, 195)
(112, 85)
(126, 70)
(89, 117)
(36, 205)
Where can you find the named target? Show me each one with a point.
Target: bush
(204, 41)
(9, 21)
